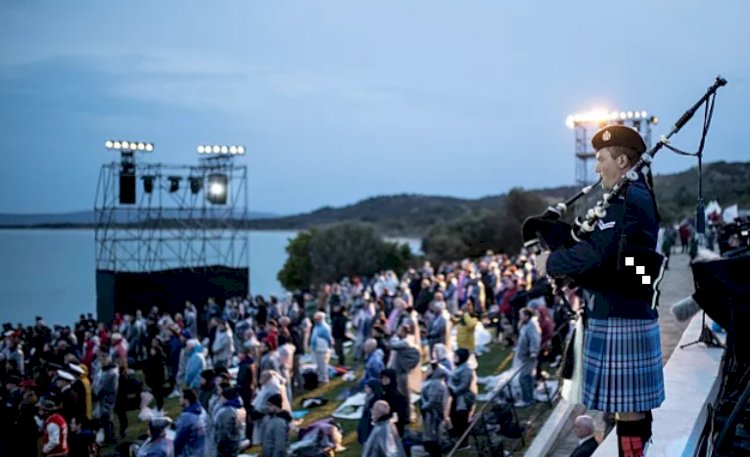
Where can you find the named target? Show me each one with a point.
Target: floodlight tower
(179, 237)
(588, 122)
(225, 203)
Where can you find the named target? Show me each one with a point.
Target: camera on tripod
(734, 238)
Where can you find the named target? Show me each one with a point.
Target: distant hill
(410, 214)
(414, 215)
(79, 218)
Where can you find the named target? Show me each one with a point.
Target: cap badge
(606, 135)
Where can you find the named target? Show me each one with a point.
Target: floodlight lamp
(216, 149)
(141, 147)
(174, 183)
(201, 150)
(148, 183)
(654, 120)
(217, 188)
(196, 184)
(116, 145)
(224, 150)
(149, 147)
(240, 149)
(109, 144)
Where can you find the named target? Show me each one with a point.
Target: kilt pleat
(622, 367)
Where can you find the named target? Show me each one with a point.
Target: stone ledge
(545, 439)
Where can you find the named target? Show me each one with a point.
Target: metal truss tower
(183, 216)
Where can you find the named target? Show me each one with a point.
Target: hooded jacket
(373, 366)
(229, 424)
(190, 434)
(463, 382)
(196, 363)
(433, 403)
(384, 441)
(364, 427)
(106, 389)
(223, 346)
(275, 439)
(396, 400)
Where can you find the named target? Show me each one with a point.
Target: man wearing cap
(55, 438)
(622, 368)
(81, 389)
(69, 408)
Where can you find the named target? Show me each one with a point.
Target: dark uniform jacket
(585, 449)
(597, 263)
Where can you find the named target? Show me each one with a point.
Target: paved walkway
(676, 285)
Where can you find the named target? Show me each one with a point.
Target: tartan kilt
(622, 367)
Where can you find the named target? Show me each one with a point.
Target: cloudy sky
(342, 100)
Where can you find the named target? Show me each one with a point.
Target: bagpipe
(548, 232)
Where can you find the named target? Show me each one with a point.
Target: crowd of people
(236, 366)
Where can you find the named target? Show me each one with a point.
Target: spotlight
(221, 149)
(148, 183)
(654, 120)
(129, 146)
(196, 184)
(174, 183)
(217, 188)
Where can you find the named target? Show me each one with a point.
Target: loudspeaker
(127, 188)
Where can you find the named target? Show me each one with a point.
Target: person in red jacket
(55, 437)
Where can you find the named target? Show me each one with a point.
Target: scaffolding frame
(165, 230)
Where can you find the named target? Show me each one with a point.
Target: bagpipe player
(622, 358)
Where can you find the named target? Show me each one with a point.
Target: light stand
(707, 336)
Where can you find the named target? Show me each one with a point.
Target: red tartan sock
(632, 436)
(630, 446)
